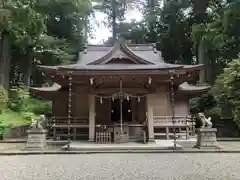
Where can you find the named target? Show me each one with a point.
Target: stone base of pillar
(91, 140)
(151, 140)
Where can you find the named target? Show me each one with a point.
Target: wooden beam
(116, 90)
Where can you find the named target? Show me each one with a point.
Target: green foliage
(22, 108)
(10, 119)
(203, 103)
(54, 49)
(220, 34)
(3, 99)
(20, 101)
(224, 101)
(215, 113)
(113, 8)
(25, 24)
(208, 105)
(227, 90)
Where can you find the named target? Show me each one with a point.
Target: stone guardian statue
(206, 122)
(39, 123)
(206, 137)
(37, 134)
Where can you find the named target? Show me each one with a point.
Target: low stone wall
(16, 132)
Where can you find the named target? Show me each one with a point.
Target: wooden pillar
(187, 132)
(150, 118)
(74, 133)
(167, 132)
(54, 133)
(134, 110)
(91, 118)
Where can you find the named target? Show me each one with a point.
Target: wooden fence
(103, 137)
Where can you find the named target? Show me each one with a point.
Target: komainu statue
(206, 122)
(39, 123)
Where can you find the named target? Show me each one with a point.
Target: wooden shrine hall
(120, 93)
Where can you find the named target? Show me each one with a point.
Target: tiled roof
(142, 56)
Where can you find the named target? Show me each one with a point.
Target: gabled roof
(137, 53)
(128, 57)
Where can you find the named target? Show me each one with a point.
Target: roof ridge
(124, 45)
(146, 44)
(120, 45)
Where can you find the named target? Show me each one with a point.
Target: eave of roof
(110, 67)
(54, 88)
(113, 68)
(193, 67)
(191, 89)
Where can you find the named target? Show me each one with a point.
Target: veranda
(121, 111)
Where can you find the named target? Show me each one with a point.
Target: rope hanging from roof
(172, 94)
(69, 108)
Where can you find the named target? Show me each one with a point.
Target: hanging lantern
(149, 80)
(139, 99)
(91, 81)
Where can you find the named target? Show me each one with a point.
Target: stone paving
(226, 146)
(11, 146)
(122, 167)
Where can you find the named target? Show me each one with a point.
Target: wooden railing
(64, 121)
(168, 121)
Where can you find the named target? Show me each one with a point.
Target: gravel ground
(121, 167)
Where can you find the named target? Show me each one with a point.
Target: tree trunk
(28, 68)
(151, 6)
(201, 60)
(5, 61)
(200, 16)
(86, 30)
(114, 18)
(209, 69)
(199, 10)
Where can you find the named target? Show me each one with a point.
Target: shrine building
(120, 89)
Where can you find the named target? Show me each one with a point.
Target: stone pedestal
(206, 138)
(36, 139)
